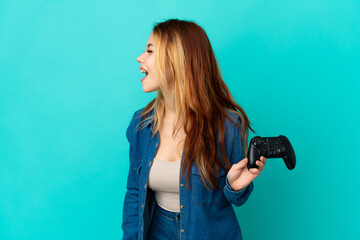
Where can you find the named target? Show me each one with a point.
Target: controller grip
(253, 156)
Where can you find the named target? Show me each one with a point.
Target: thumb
(241, 164)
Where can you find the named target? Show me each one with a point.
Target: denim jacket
(203, 214)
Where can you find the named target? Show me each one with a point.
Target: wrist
(232, 187)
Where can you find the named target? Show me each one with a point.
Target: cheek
(151, 64)
(152, 73)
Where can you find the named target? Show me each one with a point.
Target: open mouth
(146, 73)
(143, 71)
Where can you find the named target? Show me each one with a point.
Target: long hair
(185, 64)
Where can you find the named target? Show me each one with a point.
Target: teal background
(69, 84)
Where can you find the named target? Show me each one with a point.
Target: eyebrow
(149, 45)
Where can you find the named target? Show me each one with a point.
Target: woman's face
(150, 82)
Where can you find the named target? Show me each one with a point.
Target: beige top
(164, 181)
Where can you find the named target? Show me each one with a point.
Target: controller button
(281, 149)
(257, 142)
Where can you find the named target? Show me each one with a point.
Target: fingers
(261, 163)
(263, 159)
(241, 164)
(255, 171)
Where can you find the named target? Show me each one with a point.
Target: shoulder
(234, 118)
(134, 123)
(233, 129)
(137, 115)
(137, 112)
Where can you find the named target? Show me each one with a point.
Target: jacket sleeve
(130, 208)
(237, 154)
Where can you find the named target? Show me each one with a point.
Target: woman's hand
(239, 176)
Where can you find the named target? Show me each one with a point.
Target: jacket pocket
(136, 165)
(200, 194)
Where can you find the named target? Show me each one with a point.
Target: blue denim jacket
(203, 214)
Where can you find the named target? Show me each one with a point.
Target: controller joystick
(271, 147)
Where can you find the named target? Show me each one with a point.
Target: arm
(130, 209)
(238, 198)
(237, 154)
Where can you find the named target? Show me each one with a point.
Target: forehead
(150, 41)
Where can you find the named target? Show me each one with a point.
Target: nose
(140, 58)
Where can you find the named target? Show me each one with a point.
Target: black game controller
(271, 147)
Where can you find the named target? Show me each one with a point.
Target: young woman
(188, 145)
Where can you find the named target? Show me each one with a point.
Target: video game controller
(271, 147)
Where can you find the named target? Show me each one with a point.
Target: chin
(149, 90)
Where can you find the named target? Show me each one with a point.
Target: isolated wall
(69, 84)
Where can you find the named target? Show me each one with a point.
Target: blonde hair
(186, 66)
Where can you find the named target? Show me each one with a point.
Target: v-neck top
(164, 181)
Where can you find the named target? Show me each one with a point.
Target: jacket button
(149, 163)
(142, 205)
(182, 206)
(181, 185)
(145, 185)
(182, 230)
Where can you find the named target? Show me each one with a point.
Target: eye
(149, 51)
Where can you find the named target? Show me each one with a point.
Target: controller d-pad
(257, 142)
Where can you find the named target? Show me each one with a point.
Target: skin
(239, 176)
(151, 83)
(147, 61)
(170, 148)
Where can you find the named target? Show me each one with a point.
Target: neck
(170, 109)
